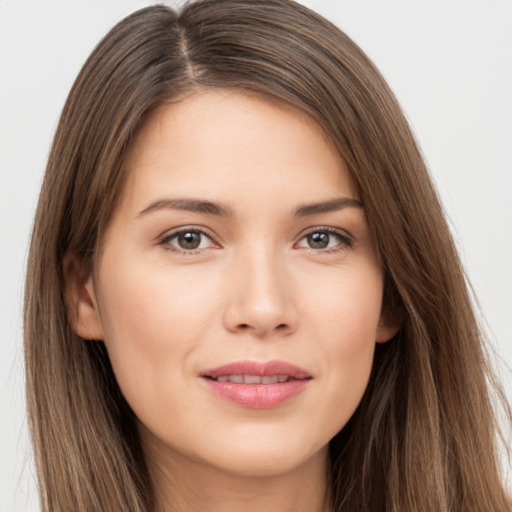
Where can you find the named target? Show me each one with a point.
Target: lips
(252, 379)
(257, 385)
(268, 369)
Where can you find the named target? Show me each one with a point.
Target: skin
(255, 289)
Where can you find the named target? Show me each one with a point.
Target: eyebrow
(220, 210)
(190, 205)
(327, 206)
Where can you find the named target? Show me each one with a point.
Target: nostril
(246, 327)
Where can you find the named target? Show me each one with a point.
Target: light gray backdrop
(449, 62)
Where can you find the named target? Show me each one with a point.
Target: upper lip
(266, 369)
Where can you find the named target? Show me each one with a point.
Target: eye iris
(318, 240)
(189, 240)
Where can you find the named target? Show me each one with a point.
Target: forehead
(224, 144)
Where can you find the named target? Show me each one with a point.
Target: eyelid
(345, 238)
(164, 239)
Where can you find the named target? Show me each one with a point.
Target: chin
(266, 457)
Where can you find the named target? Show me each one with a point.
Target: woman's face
(237, 291)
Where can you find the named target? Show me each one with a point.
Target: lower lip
(258, 396)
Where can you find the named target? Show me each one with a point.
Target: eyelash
(166, 239)
(345, 241)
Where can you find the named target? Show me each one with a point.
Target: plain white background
(448, 61)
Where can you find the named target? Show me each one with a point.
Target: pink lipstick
(257, 385)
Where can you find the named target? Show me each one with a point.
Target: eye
(187, 240)
(325, 239)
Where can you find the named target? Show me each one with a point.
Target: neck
(184, 485)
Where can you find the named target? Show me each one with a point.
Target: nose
(261, 298)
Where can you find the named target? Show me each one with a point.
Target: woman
(241, 290)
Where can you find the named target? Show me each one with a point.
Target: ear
(387, 328)
(80, 297)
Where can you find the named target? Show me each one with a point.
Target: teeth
(252, 379)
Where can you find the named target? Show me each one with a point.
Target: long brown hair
(423, 438)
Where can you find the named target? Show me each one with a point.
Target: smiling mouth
(255, 385)
(252, 379)
(254, 372)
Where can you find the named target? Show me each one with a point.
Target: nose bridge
(260, 299)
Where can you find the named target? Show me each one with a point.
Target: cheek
(347, 310)
(348, 322)
(151, 326)
(153, 307)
